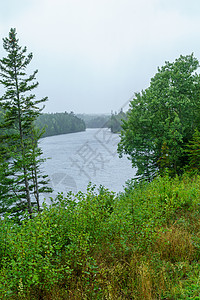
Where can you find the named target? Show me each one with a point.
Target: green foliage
(166, 114)
(116, 121)
(140, 244)
(59, 123)
(193, 151)
(19, 152)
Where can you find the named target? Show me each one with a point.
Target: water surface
(79, 158)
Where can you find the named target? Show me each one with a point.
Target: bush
(140, 244)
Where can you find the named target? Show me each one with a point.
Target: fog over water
(79, 158)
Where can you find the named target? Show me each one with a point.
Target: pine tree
(193, 151)
(19, 154)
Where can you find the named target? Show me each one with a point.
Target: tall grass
(141, 244)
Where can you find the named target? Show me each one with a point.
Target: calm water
(76, 159)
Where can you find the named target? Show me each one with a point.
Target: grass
(141, 244)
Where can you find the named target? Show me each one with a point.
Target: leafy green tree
(162, 119)
(19, 154)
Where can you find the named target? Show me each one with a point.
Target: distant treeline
(94, 120)
(113, 121)
(60, 123)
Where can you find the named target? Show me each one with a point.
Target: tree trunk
(28, 198)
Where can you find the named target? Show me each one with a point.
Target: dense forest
(59, 123)
(142, 243)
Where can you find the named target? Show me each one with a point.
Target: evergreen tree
(116, 121)
(19, 155)
(193, 151)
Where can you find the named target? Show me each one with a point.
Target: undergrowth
(143, 243)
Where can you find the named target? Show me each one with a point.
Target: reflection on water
(79, 158)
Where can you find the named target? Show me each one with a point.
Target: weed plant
(143, 243)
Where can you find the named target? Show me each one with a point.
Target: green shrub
(140, 244)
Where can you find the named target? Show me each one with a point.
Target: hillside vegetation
(141, 244)
(59, 123)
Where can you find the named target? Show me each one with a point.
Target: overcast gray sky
(93, 55)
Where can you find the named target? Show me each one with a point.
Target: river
(75, 159)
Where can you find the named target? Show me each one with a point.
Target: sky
(93, 55)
